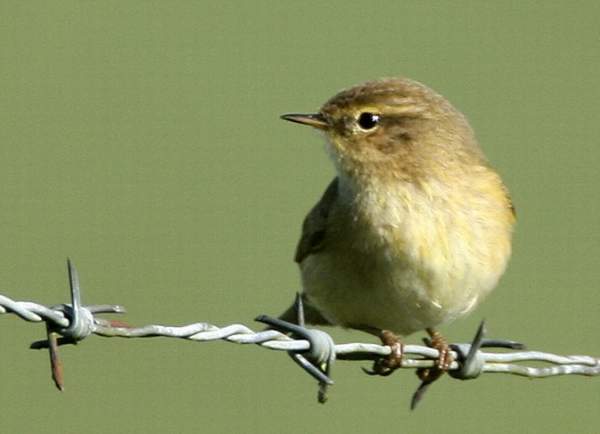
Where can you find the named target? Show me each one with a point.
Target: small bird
(415, 229)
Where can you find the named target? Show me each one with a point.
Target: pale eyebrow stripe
(397, 101)
(403, 110)
(400, 105)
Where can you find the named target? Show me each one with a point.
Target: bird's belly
(407, 259)
(394, 291)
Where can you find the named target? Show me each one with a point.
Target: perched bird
(415, 229)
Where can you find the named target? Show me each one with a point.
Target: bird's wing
(314, 227)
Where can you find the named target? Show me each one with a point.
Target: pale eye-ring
(367, 120)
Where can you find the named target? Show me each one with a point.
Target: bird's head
(394, 128)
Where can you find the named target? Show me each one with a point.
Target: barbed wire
(314, 350)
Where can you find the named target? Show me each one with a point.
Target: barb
(70, 323)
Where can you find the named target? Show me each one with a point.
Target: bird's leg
(387, 365)
(437, 341)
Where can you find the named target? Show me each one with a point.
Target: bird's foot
(442, 364)
(387, 365)
(444, 360)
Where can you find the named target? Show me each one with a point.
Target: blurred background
(142, 140)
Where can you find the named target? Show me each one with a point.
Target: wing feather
(314, 228)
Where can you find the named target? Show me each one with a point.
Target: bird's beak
(316, 120)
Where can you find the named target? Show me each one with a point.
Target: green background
(142, 139)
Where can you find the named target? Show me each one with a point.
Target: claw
(383, 372)
(386, 366)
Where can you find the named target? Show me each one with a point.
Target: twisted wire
(415, 356)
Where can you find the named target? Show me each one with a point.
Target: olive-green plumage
(416, 228)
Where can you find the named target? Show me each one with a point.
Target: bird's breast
(409, 257)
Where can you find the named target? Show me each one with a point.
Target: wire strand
(415, 356)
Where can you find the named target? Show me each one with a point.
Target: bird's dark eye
(368, 121)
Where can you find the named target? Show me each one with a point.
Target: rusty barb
(80, 323)
(313, 350)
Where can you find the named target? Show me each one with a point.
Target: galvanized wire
(415, 356)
